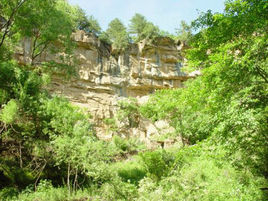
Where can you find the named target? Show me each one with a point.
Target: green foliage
(157, 163)
(131, 172)
(94, 25)
(129, 110)
(52, 22)
(111, 123)
(141, 29)
(184, 33)
(88, 24)
(182, 109)
(104, 37)
(225, 109)
(47, 132)
(120, 143)
(49, 135)
(49, 24)
(241, 21)
(64, 118)
(130, 145)
(3, 96)
(9, 112)
(74, 144)
(8, 193)
(22, 85)
(150, 31)
(117, 190)
(204, 178)
(44, 192)
(11, 174)
(228, 102)
(117, 33)
(136, 27)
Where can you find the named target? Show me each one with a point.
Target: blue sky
(167, 14)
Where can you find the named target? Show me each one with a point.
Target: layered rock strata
(106, 75)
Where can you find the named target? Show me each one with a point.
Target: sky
(166, 14)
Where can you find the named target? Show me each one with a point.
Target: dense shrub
(131, 171)
(127, 145)
(202, 174)
(157, 163)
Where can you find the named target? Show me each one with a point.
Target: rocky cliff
(106, 75)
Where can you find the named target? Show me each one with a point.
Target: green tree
(227, 104)
(88, 24)
(184, 32)
(8, 14)
(94, 25)
(50, 26)
(241, 20)
(150, 31)
(9, 11)
(104, 37)
(117, 33)
(49, 23)
(141, 29)
(9, 112)
(136, 27)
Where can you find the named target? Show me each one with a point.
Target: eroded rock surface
(106, 76)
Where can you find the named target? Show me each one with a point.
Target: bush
(121, 143)
(9, 193)
(203, 176)
(157, 163)
(117, 190)
(131, 171)
(9, 112)
(128, 113)
(130, 145)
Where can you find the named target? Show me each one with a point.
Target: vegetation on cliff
(48, 148)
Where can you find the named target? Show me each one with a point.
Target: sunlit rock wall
(106, 76)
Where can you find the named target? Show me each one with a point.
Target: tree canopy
(117, 33)
(141, 29)
(88, 24)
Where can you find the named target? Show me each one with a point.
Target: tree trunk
(68, 178)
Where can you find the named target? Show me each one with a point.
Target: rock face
(106, 76)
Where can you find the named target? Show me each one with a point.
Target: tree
(88, 24)
(227, 105)
(239, 22)
(50, 26)
(49, 23)
(94, 25)
(104, 37)
(184, 32)
(117, 33)
(136, 27)
(8, 13)
(9, 10)
(150, 32)
(141, 29)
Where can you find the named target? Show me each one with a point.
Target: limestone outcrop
(106, 75)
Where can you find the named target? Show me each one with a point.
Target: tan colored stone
(106, 76)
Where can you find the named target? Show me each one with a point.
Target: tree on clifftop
(137, 24)
(184, 32)
(88, 24)
(141, 29)
(117, 33)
